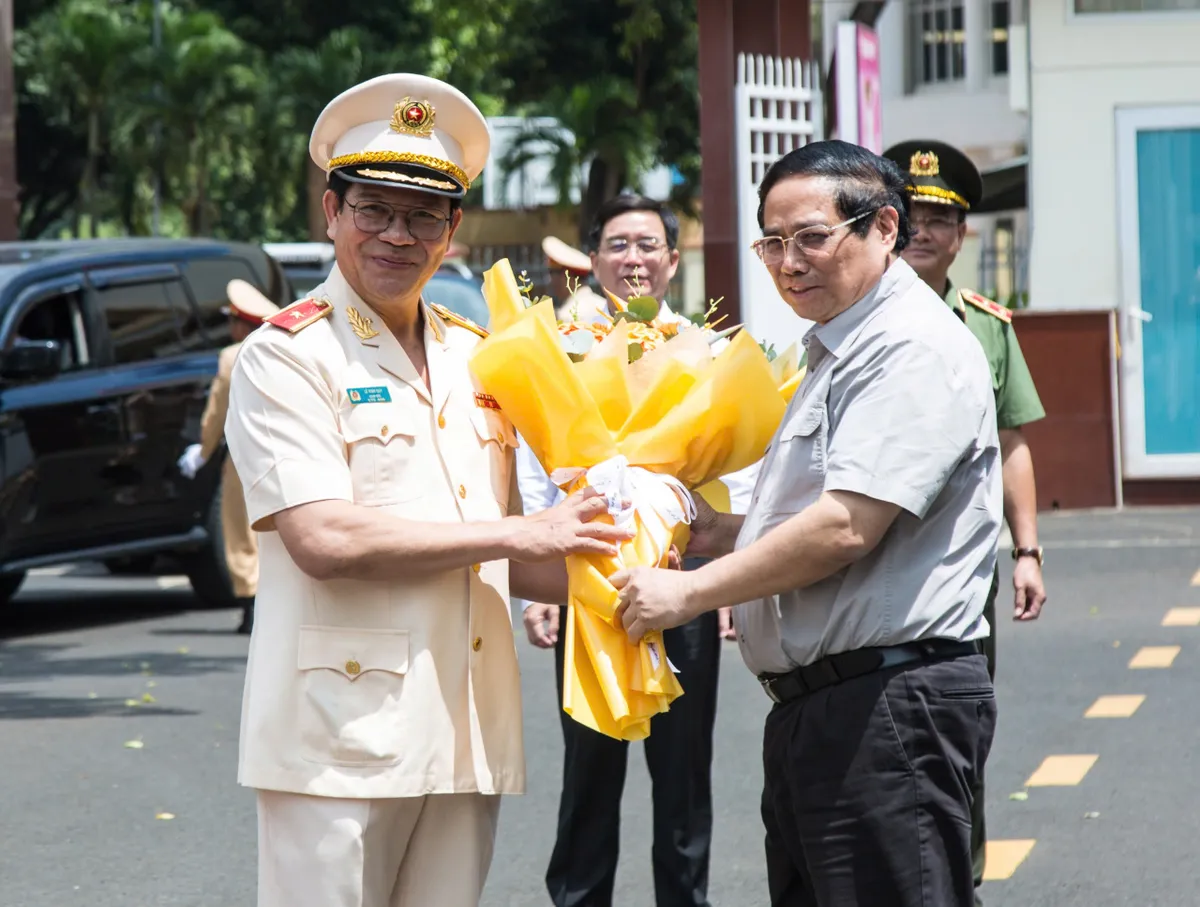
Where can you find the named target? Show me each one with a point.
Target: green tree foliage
(622, 77)
(218, 114)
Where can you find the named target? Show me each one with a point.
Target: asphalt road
(119, 704)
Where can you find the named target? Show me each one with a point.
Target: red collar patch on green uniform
(982, 302)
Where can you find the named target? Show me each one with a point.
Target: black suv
(107, 350)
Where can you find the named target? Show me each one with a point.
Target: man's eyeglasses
(812, 240)
(376, 217)
(647, 245)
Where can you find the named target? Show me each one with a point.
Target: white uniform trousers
(431, 851)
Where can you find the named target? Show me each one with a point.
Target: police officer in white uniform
(382, 709)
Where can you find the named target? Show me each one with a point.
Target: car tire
(206, 569)
(9, 584)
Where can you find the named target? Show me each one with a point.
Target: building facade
(954, 70)
(1115, 207)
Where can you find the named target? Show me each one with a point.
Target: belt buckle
(769, 688)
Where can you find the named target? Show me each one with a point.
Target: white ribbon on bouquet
(661, 501)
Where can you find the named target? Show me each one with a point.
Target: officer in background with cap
(382, 712)
(568, 266)
(247, 309)
(943, 186)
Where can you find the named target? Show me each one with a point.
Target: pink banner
(870, 106)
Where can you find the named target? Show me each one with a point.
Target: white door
(1158, 165)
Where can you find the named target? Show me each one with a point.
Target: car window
(146, 320)
(57, 318)
(208, 278)
(460, 296)
(303, 279)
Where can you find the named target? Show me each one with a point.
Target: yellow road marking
(1154, 657)
(1182, 617)
(1114, 706)
(1061, 771)
(1003, 858)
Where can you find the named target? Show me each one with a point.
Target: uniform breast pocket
(382, 452)
(497, 438)
(352, 708)
(797, 475)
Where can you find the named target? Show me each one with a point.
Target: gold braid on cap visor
(401, 157)
(945, 196)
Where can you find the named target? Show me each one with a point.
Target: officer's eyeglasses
(619, 246)
(812, 240)
(376, 217)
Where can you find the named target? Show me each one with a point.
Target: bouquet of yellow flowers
(644, 413)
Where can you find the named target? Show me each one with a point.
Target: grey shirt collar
(837, 335)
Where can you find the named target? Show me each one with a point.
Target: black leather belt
(847, 665)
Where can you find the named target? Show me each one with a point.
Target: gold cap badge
(924, 163)
(413, 117)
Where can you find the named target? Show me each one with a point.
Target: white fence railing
(777, 104)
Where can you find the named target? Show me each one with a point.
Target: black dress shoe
(247, 623)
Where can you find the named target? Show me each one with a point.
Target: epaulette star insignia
(982, 302)
(301, 314)
(457, 320)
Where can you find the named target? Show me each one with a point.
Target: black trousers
(978, 817)
(868, 786)
(583, 865)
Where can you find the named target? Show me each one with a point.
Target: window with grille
(938, 41)
(1136, 6)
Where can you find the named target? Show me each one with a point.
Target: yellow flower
(647, 336)
(599, 331)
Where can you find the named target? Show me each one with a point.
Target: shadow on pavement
(15, 706)
(200, 631)
(35, 661)
(24, 662)
(36, 612)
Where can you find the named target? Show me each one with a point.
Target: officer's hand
(652, 599)
(1029, 589)
(725, 624)
(541, 625)
(570, 527)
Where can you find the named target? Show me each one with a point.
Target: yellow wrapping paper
(678, 411)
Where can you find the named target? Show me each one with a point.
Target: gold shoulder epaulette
(457, 320)
(982, 302)
(300, 314)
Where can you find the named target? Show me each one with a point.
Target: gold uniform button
(441, 421)
(353, 667)
(384, 431)
(477, 567)
(477, 644)
(462, 491)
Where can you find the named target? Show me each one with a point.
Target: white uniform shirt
(365, 688)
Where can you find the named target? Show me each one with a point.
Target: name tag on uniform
(369, 395)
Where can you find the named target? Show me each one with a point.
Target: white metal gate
(777, 108)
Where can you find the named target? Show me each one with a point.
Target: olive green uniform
(1017, 404)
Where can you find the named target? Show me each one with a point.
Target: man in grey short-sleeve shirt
(862, 567)
(892, 409)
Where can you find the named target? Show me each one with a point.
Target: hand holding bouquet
(645, 428)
